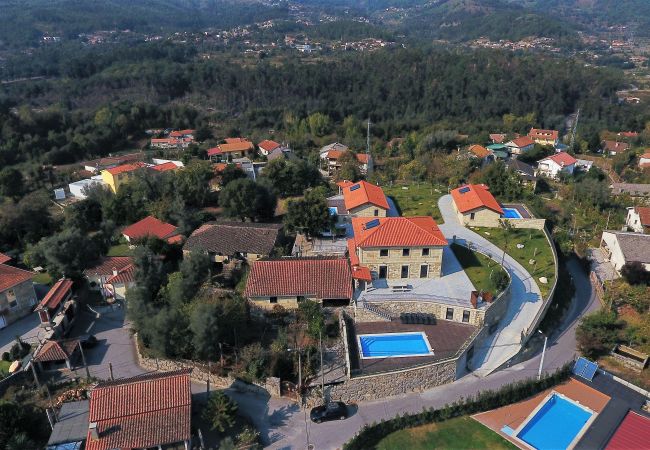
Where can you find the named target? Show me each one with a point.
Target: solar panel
(372, 224)
(464, 189)
(355, 187)
(585, 369)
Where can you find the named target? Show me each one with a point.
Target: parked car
(329, 411)
(87, 340)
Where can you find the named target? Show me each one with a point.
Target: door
(383, 271)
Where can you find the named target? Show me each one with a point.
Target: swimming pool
(555, 424)
(511, 213)
(394, 345)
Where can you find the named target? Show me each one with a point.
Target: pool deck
(445, 338)
(521, 209)
(514, 415)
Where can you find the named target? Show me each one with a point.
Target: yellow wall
(115, 181)
(370, 257)
(109, 180)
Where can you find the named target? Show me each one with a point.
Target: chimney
(92, 429)
(114, 271)
(473, 299)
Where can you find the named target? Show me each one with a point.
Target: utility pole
(368, 138)
(322, 369)
(575, 128)
(541, 361)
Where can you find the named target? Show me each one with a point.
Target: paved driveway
(525, 299)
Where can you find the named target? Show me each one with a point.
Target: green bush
(19, 350)
(371, 435)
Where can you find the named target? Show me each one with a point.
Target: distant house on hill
(481, 153)
(614, 147)
(555, 164)
(525, 171)
(233, 148)
(623, 247)
(544, 137)
(644, 160)
(333, 158)
(267, 146)
(117, 176)
(520, 145)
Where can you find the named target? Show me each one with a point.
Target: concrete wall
(397, 307)
(367, 210)
(25, 298)
(394, 261)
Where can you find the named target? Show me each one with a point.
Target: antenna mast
(368, 139)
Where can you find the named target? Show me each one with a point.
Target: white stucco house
(638, 219)
(552, 166)
(622, 247)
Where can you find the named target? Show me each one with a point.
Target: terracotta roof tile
(323, 278)
(11, 276)
(268, 145)
(632, 433)
(523, 141)
(56, 294)
(165, 167)
(4, 258)
(149, 226)
(498, 138)
(108, 265)
(479, 150)
(615, 146)
(538, 133)
(56, 350)
(397, 232)
(474, 196)
(644, 214)
(229, 238)
(562, 158)
(140, 412)
(126, 168)
(363, 192)
(123, 276)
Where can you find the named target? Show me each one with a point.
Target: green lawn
(416, 199)
(535, 247)
(459, 433)
(480, 269)
(120, 250)
(42, 278)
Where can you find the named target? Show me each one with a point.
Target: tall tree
(309, 215)
(247, 199)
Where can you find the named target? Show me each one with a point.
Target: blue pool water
(511, 213)
(555, 425)
(393, 345)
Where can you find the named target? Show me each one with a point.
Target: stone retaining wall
(200, 375)
(535, 224)
(374, 387)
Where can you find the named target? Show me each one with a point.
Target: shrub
(19, 350)
(6, 356)
(598, 333)
(220, 411)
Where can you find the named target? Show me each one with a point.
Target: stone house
(360, 199)
(289, 281)
(57, 311)
(476, 206)
(224, 241)
(396, 248)
(17, 295)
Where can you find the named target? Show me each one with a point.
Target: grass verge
(120, 250)
(481, 270)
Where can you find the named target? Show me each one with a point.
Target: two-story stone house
(397, 248)
(360, 199)
(17, 296)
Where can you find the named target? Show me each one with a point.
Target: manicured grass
(459, 433)
(42, 278)
(419, 199)
(480, 269)
(535, 247)
(120, 250)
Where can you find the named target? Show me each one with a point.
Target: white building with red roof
(520, 145)
(113, 275)
(644, 160)
(267, 146)
(146, 411)
(638, 219)
(476, 206)
(396, 248)
(17, 296)
(553, 165)
(289, 281)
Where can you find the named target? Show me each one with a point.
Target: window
(471, 216)
(376, 212)
(425, 252)
(11, 298)
(424, 271)
(405, 272)
(273, 299)
(450, 314)
(300, 298)
(406, 252)
(383, 252)
(466, 316)
(383, 271)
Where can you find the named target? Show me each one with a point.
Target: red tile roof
(4, 258)
(479, 150)
(363, 158)
(231, 147)
(56, 350)
(149, 226)
(644, 214)
(629, 134)
(126, 168)
(123, 276)
(632, 433)
(474, 196)
(108, 265)
(362, 193)
(165, 167)
(538, 133)
(11, 276)
(235, 140)
(345, 183)
(361, 273)
(523, 141)
(143, 411)
(323, 278)
(397, 232)
(498, 138)
(563, 159)
(181, 133)
(615, 146)
(53, 298)
(268, 145)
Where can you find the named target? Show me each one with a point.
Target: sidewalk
(525, 298)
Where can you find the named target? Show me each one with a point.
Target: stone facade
(17, 302)
(395, 259)
(394, 383)
(482, 217)
(290, 302)
(368, 210)
(395, 308)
